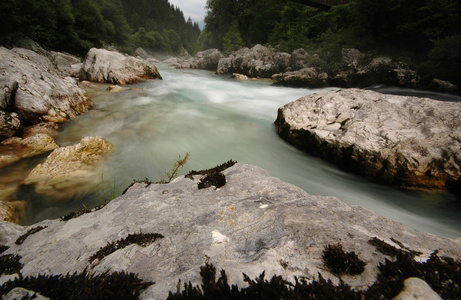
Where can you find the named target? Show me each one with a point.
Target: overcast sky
(191, 8)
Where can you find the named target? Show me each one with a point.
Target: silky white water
(215, 119)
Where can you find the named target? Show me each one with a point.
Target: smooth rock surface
(67, 168)
(403, 141)
(105, 66)
(253, 223)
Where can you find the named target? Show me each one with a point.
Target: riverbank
(303, 69)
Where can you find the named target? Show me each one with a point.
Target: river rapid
(215, 119)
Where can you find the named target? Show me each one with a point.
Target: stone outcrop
(105, 66)
(258, 61)
(68, 168)
(402, 141)
(253, 223)
(33, 88)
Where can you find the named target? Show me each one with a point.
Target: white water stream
(215, 119)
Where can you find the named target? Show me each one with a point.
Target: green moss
(29, 232)
(142, 239)
(10, 264)
(213, 176)
(340, 262)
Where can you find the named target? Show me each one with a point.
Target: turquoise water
(216, 119)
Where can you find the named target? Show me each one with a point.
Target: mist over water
(216, 119)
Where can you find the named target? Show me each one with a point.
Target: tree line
(77, 25)
(426, 31)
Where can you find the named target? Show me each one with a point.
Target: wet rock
(416, 288)
(253, 223)
(14, 149)
(42, 94)
(12, 211)
(68, 168)
(105, 66)
(443, 86)
(115, 88)
(403, 141)
(48, 128)
(239, 76)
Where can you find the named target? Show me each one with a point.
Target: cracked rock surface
(399, 140)
(253, 223)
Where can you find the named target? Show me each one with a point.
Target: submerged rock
(253, 223)
(403, 141)
(66, 169)
(105, 66)
(14, 149)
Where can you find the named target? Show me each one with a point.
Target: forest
(427, 32)
(77, 25)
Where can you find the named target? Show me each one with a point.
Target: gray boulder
(105, 66)
(403, 141)
(207, 60)
(35, 90)
(253, 223)
(258, 61)
(308, 77)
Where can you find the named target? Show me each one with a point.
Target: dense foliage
(426, 31)
(77, 25)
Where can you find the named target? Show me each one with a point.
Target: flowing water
(216, 119)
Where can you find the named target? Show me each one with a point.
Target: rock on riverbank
(402, 141)
(253, 223)
(105, 66)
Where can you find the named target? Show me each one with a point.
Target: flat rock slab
(399, 140)
(253, 223)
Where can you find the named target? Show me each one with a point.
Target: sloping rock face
(105, 66)
(31, 86)
(402, 141)
(253, 223)
(68, 168)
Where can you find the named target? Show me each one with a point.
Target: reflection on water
(215, 119)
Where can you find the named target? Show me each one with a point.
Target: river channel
(215, 118)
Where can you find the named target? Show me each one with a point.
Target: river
(215, 118)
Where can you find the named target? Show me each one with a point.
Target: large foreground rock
(67, 169)
(253, 223)
(403, 141)
(106, 66)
